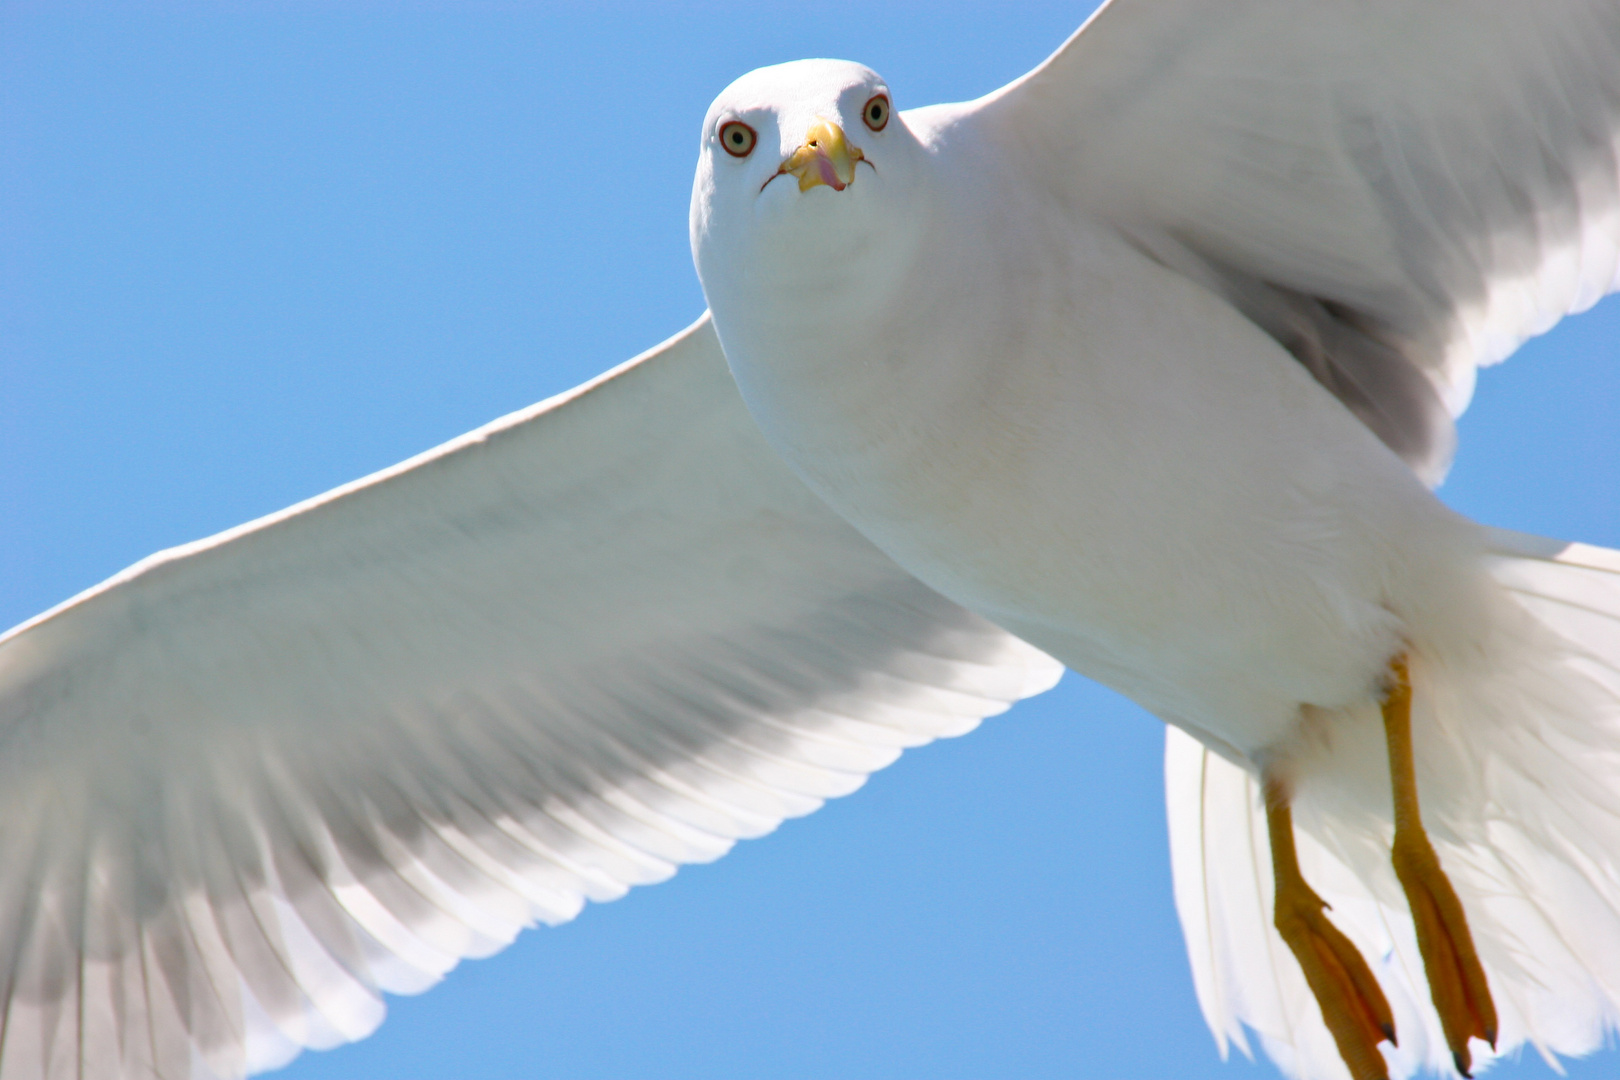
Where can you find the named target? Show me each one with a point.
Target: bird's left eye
(876, 111)
(737, 137)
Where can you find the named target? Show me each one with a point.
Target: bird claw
(1353, 1006)
(1450, 961)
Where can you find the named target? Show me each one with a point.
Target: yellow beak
(825, 158)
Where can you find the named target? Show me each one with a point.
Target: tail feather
(1519, 771)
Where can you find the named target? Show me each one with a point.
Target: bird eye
(876, 111)
(737, 137)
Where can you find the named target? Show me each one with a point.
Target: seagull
(1144, 365)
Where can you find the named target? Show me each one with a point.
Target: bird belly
(1108, 460)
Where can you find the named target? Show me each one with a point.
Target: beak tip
(826, 158)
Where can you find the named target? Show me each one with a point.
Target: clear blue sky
(251, 251)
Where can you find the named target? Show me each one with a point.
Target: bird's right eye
(737, 137)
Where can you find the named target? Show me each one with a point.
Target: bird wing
(1399, 191)
(251, 783)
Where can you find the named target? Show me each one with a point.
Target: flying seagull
(326, 752)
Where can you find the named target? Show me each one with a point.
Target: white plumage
(1147, 356)
(1527, 814)
(332, 752)
(256, 781)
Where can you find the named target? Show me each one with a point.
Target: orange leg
(1352, 1004)
(1456, 979)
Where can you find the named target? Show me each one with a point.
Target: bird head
(805, 193)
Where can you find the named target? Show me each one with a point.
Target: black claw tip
(1389, 1033)
(1461, 1062)
(1490, 1037)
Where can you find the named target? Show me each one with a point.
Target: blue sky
(251, 251)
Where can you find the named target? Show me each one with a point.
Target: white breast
(1059, 433)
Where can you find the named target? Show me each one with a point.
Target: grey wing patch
(1348, 353)
(1360, 361)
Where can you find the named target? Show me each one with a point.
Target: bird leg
(1456, 979)
(1353, 1006)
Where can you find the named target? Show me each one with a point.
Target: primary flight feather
(1145, 358)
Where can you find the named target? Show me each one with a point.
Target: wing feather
(1398, 191)
(251, 784)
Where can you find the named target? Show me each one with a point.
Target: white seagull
(1143, 364)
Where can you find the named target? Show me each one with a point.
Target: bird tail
(1518, 754)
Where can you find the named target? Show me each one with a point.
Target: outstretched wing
(1397, 190)
(251, 783)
